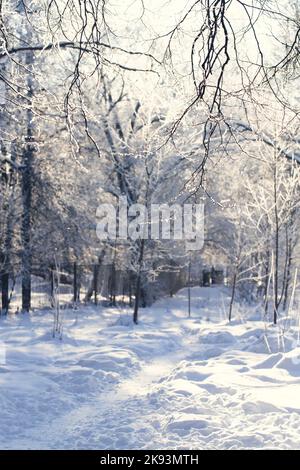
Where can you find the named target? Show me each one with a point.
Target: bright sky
(145, 19)
(136, 22)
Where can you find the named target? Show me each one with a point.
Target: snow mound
(259, 407)
(184, 423)
(217, 337)
(291, 362)
(116, 360)
(169, 382)
(270, 362)
(123, 320)
(189, 371)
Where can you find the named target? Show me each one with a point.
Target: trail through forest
(170, 382)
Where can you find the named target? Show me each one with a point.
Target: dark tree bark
(130, 288)
(232, 296)
(75, 284)
(267, 282)
(112, 286)
(4, 286)
(276, 254)
(138, 283)
(95, 283)
(289, 259)
(26, 188)
(189, 290)
(6, 256)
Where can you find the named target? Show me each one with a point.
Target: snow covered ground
(171, 382)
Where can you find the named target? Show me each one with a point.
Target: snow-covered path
(170, 382)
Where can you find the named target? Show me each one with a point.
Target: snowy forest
(163, 104)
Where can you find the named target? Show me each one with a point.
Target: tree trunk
(138, 284)
(276, 264)
(26, 186)
(189, 290)
(26, 228)
(10, 180)
(92, 287)
(4, 288)
(51, 273)
(95, 283)
(112, 286)
(288, 276)
(232, 296)
(267, 282)
(75, 284)
(130, 289)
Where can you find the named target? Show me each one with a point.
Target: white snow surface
(171, 382)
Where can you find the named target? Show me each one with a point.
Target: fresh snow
(171, 382)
